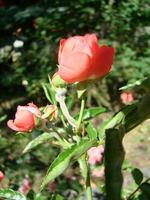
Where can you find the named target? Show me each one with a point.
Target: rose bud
(81, 58)
(95, 154)
(25, 186)
(1, 176)
(24, 118)
(50, 112)
(126, 97)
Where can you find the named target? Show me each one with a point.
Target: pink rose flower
(25, 186)
(24, 118)
(81, 58)
(95, 154)
(126, 97)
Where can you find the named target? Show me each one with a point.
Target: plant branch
(81, 112)
(86, 175)
(60, 97)
(133, 193)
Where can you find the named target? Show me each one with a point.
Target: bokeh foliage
(41, 24)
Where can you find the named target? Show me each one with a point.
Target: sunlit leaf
(11, 194)
(66, 158)
(91, 113)
(45, 137)
(91, 131)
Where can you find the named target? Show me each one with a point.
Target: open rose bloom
(24, 118)
(81, 58)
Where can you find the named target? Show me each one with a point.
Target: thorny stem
(60, 97)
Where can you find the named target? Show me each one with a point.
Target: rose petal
(61, 45)
(77, 44)
(24, 119)
(31, 108)
(102, 61)
(74, 67)
(11, 125)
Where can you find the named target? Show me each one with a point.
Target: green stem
(60, 97)
(56, 135)
(81, 112)
(86, 175)
(63, 120)
(133, 193)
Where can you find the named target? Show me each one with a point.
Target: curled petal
(31, 108)
(76, 44)
(12, 126)
(24, 119)
(102, 61)
(61, 45)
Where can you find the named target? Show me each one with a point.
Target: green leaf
(91, 113)
(57, 197)
(91, 131)
(2, 118)
(140, 84)
(114, 156)
(145, 187)
(11, 194)
(65, 158)
(117, 120)
(45, 137)
(49, 93)
(140, 197)
(39, 196)
(137, 176)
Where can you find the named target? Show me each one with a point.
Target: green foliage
(66, 158)
(137, 175)
(45, 137)
(91, 131)
(91, 113)
(11, 194)
(145, 188)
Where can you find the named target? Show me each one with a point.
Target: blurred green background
(39, 25)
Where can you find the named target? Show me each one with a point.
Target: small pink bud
(25, 186)
(50, 112)
(24, 118)
(95, 154)
(1, 176)
(126, 97)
